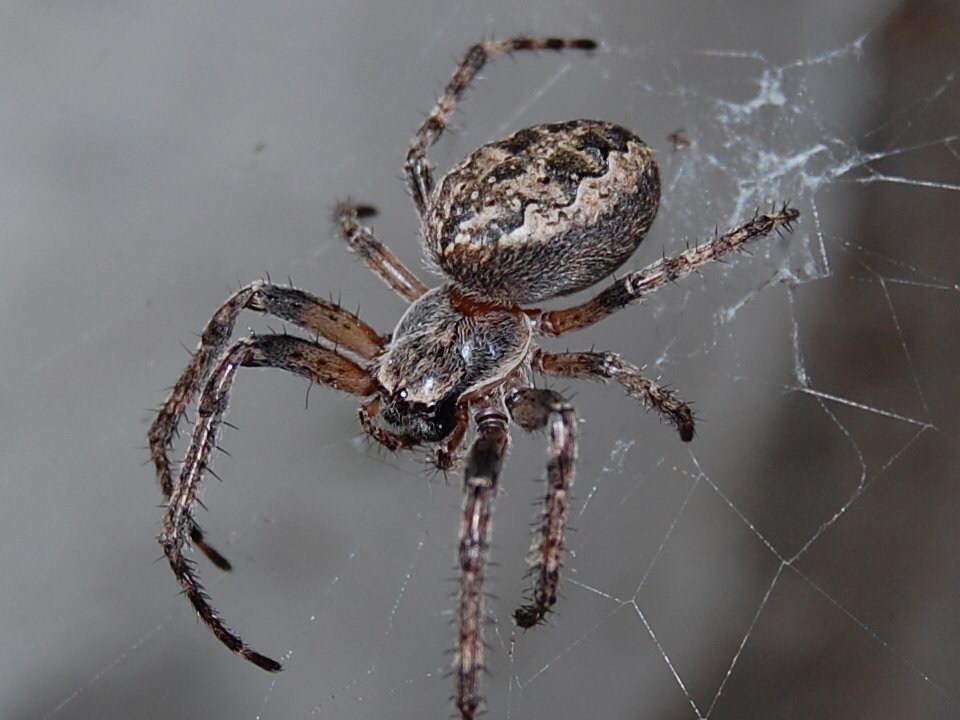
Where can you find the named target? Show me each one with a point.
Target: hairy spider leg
(417, 167)
(633, 287)
(609, 366)
(535, 409)
(326, 319)
(484, 462)
(293, 354)
(377, 255)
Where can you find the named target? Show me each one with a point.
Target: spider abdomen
(546, 211)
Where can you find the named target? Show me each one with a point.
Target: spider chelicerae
(544, 212)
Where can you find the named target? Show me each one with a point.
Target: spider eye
(402, 394)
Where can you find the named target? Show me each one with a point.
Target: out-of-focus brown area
(891, 561)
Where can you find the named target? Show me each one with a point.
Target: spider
(545, 212)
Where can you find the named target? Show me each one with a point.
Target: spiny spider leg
(484, 462)
(534, 409)
(636, 285)
(609, 366)
(377, 255)
(292, 354)
(322, 317)
(417, 167)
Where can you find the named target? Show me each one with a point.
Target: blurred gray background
(798, 560)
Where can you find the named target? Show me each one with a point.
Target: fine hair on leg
(480, 478)
(375, 254)
(609, 366)
(535, 409)
(293, 354)
(417, 167)
(322, 317)
(637, 285)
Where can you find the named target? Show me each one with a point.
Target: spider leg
(535, 409)
(609, 366)
(377, 255)
(292, 354)
(482, 471)
(322, 317)
(417, 167)
(636, 285)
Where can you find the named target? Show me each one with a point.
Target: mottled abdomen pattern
(547, 211)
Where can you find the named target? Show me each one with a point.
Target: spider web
(796, 560)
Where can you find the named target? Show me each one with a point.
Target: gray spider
(544, 212)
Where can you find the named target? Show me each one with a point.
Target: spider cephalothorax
(542, 213)
(446, 346)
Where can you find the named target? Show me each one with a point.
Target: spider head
(444, 348)
(426, 418)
